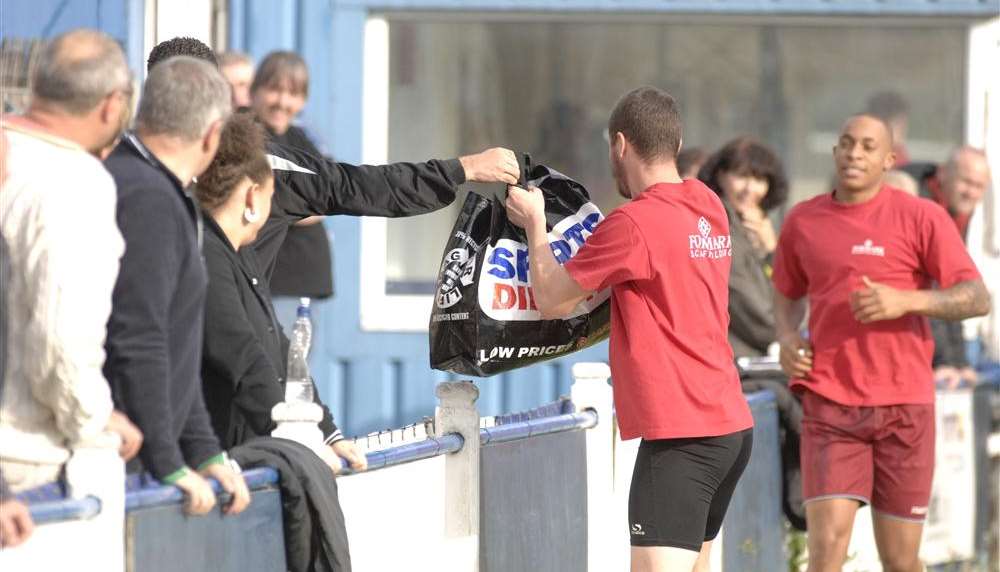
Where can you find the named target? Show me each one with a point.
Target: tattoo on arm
(961, 301)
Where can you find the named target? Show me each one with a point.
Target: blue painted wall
(120, 19)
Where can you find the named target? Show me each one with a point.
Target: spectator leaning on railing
(243, 365)
(155, 331)
(58, 208)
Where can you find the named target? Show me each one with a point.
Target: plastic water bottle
(298, 383)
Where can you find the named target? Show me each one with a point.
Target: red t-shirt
(666, 256)
(896, 239)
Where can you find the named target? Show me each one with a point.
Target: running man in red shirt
(666, 257)
(865, 256)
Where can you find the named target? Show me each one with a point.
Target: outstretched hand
(496, 165)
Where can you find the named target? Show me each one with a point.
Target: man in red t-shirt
(865, 256)
(666, 257)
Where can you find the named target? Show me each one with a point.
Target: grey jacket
(751, 304)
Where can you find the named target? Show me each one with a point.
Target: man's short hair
(182, 97)
(650, 120)
(232, 58)
(280, 66)
(78, 69)
(180, 46)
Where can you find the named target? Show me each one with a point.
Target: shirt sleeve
(788, 276)
(309, 185)
(72, 268)
(615, 253)
(198, 441)
(138, 365)
(945, 257)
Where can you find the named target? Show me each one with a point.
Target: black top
(304, 263)
(309, 185)
(245, 351)
(155, 330)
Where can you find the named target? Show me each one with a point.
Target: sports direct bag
(484, 320)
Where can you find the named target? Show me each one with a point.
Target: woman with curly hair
(243, 364)
(751, 181)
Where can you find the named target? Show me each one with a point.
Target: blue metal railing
(453, 442)
(63, 510)
(540, 426)
(430, 447)
(143, 491)
(48, 503)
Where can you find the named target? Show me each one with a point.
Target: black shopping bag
(484, 320)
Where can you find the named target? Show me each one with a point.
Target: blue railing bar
(559, 407)
(63, 510)
(158, 495)
(430, 447)
(542, 426)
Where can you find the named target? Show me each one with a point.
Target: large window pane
(547, 88)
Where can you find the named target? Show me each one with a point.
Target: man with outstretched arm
(865, 256)
(666, 256)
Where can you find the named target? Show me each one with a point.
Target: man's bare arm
(963, 300)
(556, 293)
(796, 352)
(880, 302)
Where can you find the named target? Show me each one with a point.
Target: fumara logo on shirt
(868, 249)
(704, 245)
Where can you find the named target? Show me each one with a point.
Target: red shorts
(882, 456)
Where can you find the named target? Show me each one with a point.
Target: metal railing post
(591, 391)
(456, 413)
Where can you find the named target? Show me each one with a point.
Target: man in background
(237, 68)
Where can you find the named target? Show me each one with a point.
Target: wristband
(220, 459)
(175, 476)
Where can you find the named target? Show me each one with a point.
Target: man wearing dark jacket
(155, 331)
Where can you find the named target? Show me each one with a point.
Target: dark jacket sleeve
(949, 344)
(198, 440)
(233, 354)
(307, 185)
(138, 367)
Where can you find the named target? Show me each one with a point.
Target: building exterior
(410, 80)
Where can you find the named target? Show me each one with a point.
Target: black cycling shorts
(681, 488)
